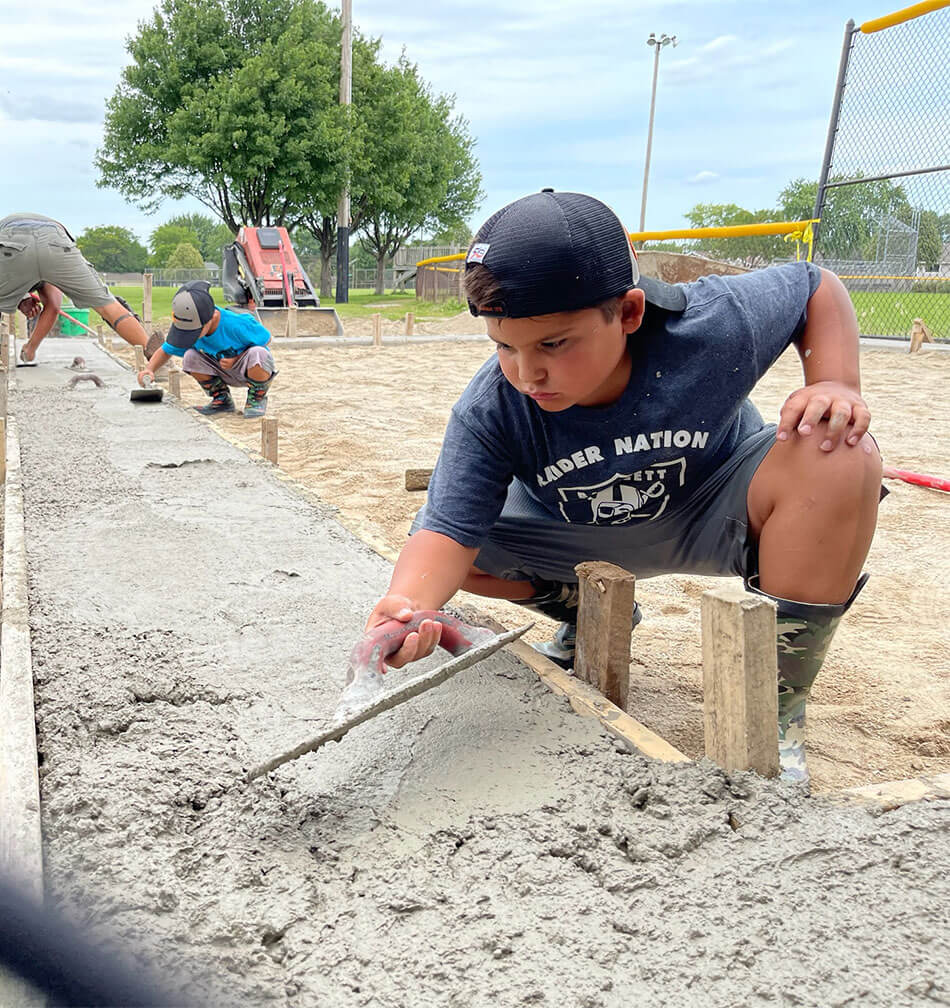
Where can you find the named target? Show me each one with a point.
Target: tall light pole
(343, 210)
(658, 44)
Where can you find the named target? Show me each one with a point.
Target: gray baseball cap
(192, 308)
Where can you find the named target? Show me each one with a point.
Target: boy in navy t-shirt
(219, 349)
(614, 424)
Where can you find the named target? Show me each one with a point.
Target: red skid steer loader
(261, 272)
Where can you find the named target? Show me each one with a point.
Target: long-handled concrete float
(362, 699)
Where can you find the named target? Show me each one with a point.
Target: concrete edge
(21, 838)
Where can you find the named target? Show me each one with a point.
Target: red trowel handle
(374, 647)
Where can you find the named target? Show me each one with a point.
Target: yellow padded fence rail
(906, 14)
(802, 230)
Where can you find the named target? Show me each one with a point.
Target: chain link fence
(884, 191)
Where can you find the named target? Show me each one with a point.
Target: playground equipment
(261, 272)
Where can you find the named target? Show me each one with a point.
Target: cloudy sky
(556, 93)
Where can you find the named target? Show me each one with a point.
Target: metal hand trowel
(364, 695)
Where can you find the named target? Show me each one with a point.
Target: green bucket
(68, 327)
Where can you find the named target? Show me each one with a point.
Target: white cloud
(718, 43)
(556, 92)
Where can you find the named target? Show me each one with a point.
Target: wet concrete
(191, 616)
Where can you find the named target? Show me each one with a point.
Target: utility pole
(658, 43)
(343, 210)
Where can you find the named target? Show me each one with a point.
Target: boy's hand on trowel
(418, 644)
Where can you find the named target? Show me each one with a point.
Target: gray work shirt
(683, 412)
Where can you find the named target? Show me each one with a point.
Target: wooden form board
(588, 702)
(894, 794)
(21, 850)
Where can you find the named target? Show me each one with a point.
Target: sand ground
(352, 419)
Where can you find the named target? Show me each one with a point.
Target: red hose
(918, 479)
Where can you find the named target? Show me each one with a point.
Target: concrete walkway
(191, 615)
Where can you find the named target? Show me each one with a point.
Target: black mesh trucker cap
(560, 251)
(192, 308)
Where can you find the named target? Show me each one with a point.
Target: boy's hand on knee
(842, 406)
(417, 644)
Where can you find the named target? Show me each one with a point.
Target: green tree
(454, 234)
(233, 103)
(113, 249)
(166, 238)
(185, 256)
(419, 172)
(852, 216)
(361, 258)
(751, 251)
(929, 245)
(321, 220)
(212, 234)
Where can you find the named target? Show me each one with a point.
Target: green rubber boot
(221, 401)
(803, 636)
(256, 404)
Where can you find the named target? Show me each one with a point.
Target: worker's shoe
(558, 600)
(221, 401)
(803, 636)
(562, 647)
(555, 599)
(256, 403)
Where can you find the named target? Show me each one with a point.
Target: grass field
(880, 313)
(362, 303)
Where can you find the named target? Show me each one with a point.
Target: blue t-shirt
(236, 332)
(684, 410)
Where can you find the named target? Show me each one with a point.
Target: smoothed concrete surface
(191, 616)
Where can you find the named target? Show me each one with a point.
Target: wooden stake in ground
(740, 680)
(418, 479)
(291, 321)
(140, 357)
(5, 354)
(919, 334)
(604, 627)
(174, 383)
(377, 330)
(410, 323)
(146, 299)
(100, 335)
(269, 439)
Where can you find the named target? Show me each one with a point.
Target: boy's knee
(851, 472)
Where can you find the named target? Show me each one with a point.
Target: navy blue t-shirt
(684, 410)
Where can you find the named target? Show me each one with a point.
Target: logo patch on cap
(478, 252)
